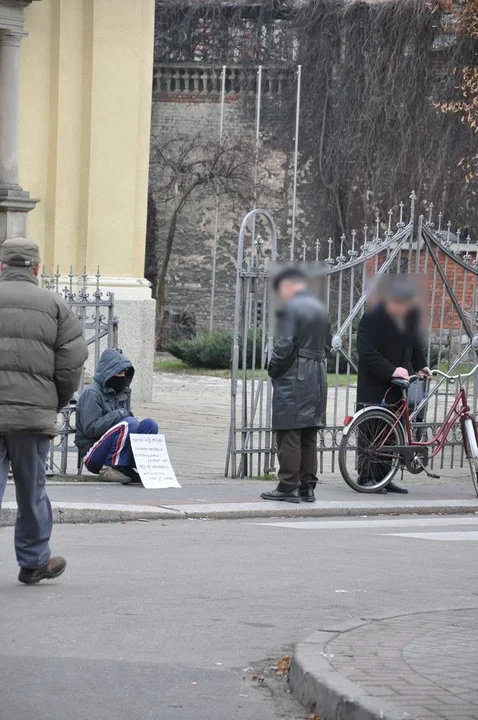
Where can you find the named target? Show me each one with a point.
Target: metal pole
(296, 153)
(216, 219)
(258, 125)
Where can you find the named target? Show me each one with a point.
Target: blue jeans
(27, 453)
(113, 449)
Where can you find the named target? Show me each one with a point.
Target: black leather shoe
(292, 497)
(391, 487)
(307, 494)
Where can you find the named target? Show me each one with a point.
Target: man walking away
(104, 421)
(299, 379)
(389, 345)
(42, 352)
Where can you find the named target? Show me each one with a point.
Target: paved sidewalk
(423, 666)
(108, 502)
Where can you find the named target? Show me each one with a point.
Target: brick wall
(442, 317)
(189, 277)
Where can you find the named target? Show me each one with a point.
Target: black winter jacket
(298, 365)
(382, 347)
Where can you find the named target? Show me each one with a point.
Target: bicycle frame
(458, 412)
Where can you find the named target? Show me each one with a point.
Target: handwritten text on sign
(152, 461)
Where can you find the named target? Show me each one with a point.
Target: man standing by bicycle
(389, 345)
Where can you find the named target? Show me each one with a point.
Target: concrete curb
(69, 512)
(96, 513)
(323, 690)
(332, 508)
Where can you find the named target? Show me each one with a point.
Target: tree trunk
(161, 290)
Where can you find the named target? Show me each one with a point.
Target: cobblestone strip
(425, 665)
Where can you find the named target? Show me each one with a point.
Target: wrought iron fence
(94, 309)
(448, 261)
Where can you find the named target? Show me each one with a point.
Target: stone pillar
(15, 202)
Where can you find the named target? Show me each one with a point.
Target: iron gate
(95, 311)
(447, 261)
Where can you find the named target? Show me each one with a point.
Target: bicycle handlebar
(450, 378)
(460, 376)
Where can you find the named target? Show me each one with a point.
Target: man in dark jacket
(42, 352)
(104, 420)
(389, 345)
(299, 379)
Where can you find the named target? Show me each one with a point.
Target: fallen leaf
(242, 695)
(194, 683)
(217, 663)
(283, 665)
(314, 717)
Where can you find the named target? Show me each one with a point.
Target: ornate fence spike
(467, 256)
(413, 199)
(389, 232)
(352, 252)
(341, 258)
(377, 227)
(364, 247)
(400, 223)
(317, 250)
(304, 251)
(448, 234)
(440, 218)
(456, 249)
(98, 292)
(330, 261)
(430, 215)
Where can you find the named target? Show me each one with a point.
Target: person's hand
(425, 373)
(401, 373)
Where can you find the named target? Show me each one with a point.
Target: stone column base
(15, 203)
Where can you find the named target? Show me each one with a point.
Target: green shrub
(212, 351)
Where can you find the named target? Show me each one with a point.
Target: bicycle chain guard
(414, 458)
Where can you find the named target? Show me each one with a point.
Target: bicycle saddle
(399, 382)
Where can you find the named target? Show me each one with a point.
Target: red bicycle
(378, 440)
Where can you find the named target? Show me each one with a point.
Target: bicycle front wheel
(364, 461)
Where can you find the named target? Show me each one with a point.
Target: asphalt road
(171, 620)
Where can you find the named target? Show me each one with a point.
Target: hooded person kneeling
(104, 420)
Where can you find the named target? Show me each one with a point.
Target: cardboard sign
(152, 461)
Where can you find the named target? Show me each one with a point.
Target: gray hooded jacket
(100, 407)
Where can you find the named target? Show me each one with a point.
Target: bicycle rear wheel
(474, 473)
(471, 449)
(364, 462)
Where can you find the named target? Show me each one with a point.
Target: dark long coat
(382, 347)
(298, 365)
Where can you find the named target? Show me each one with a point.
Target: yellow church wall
(85, 108)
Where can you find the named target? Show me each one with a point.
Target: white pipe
(258, 127)
(296, 153)
(216, 219)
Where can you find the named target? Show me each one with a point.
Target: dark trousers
(27, 453)
(297, 455)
